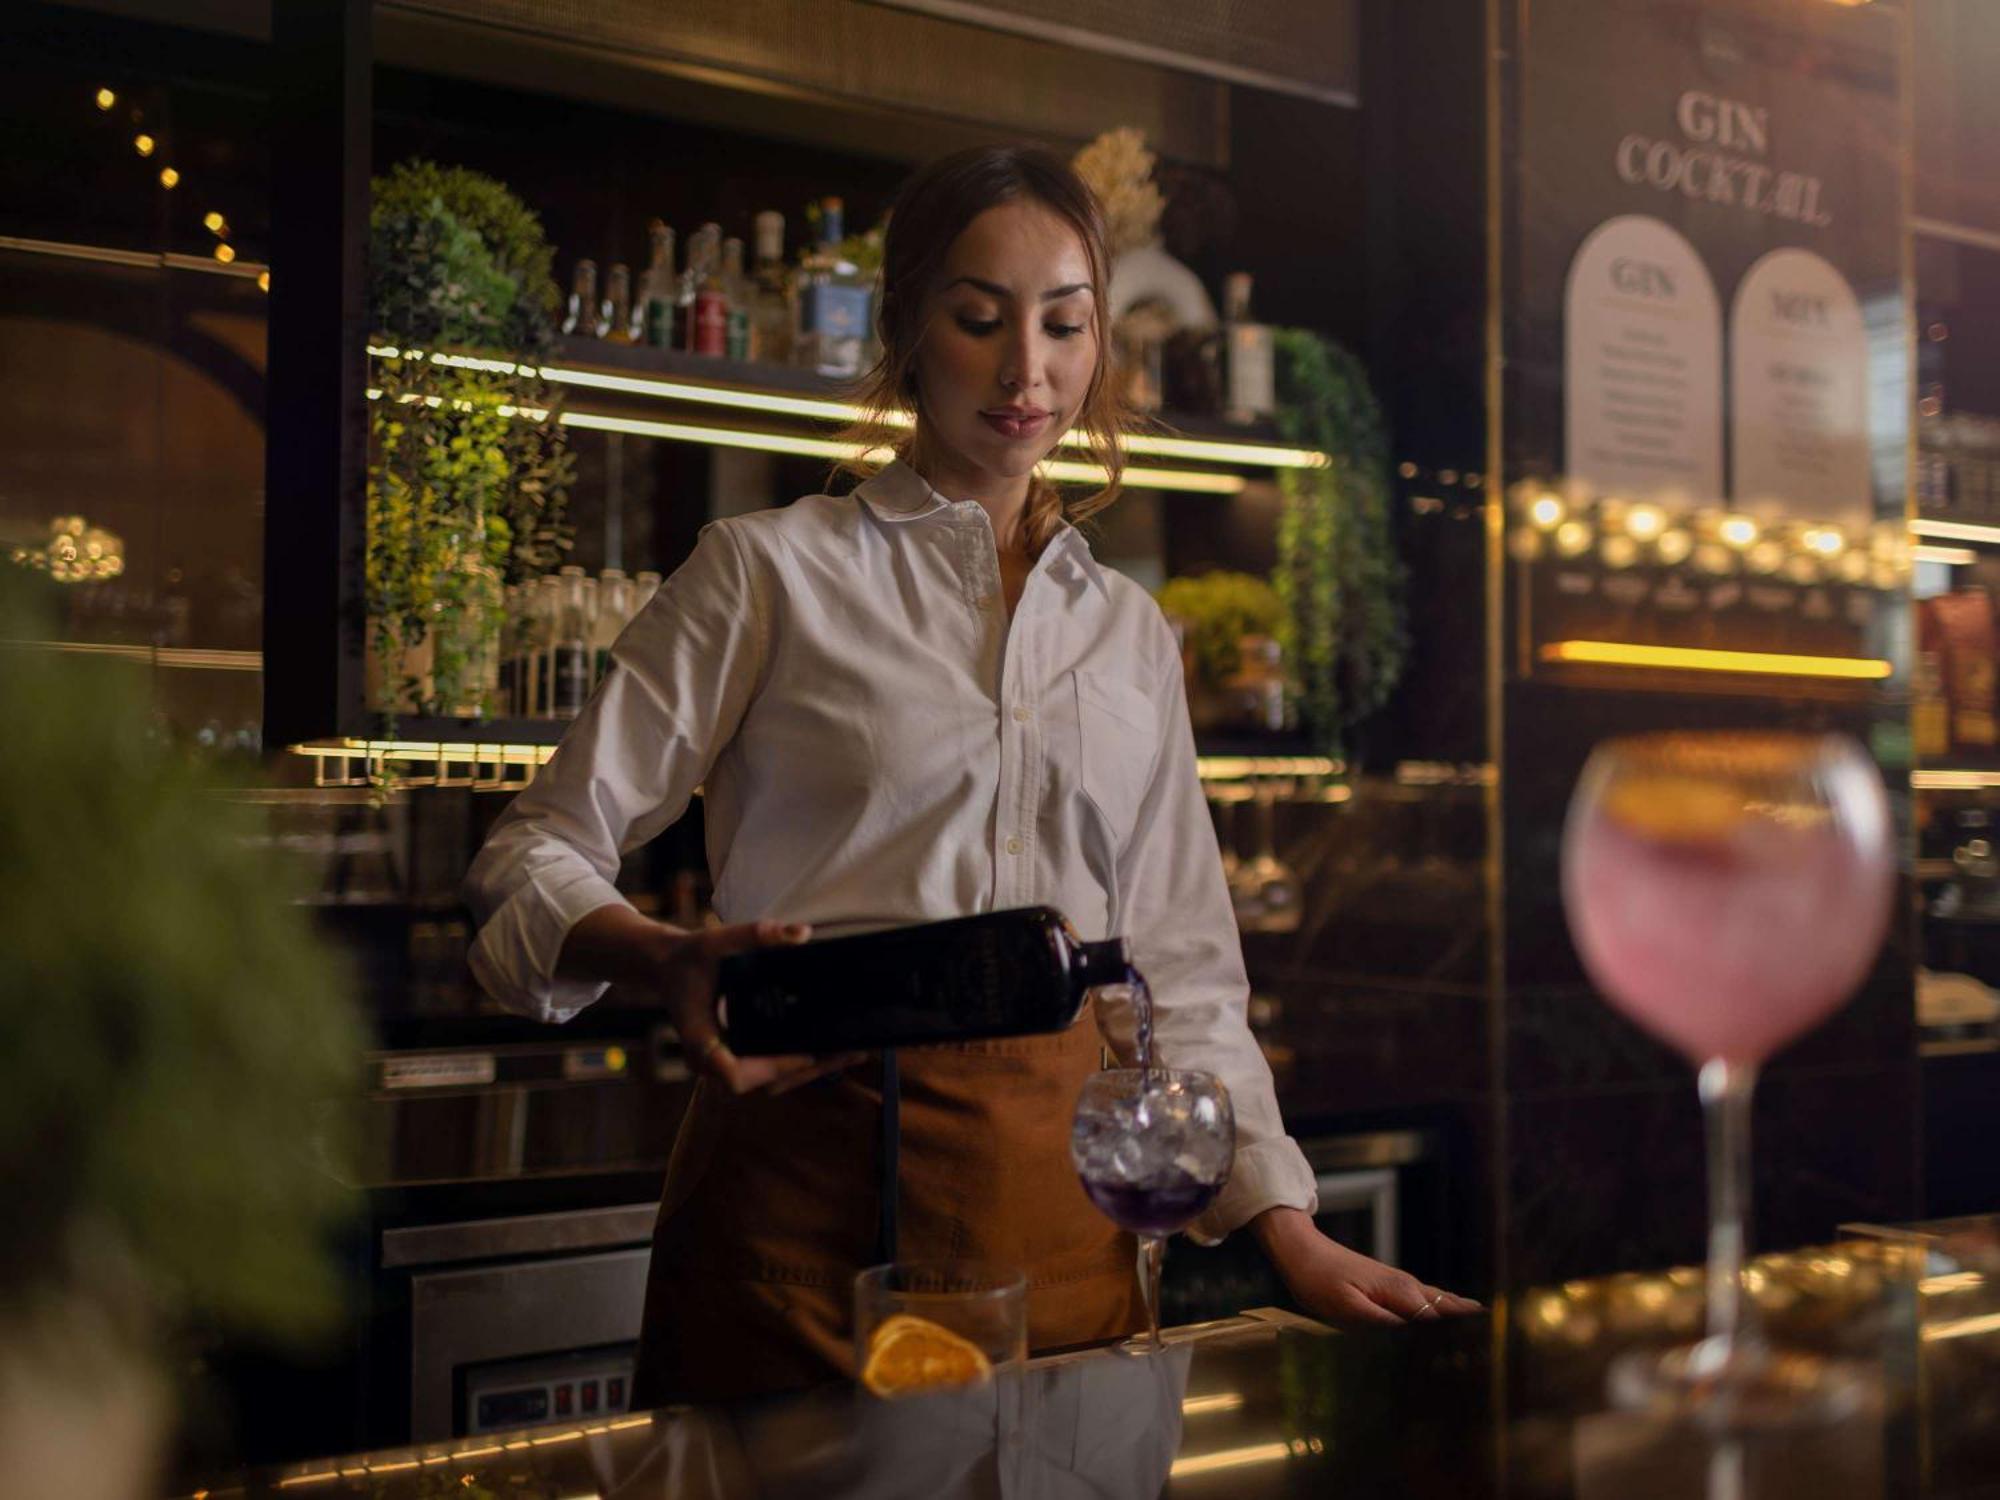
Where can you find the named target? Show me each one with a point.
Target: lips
(1016, 421)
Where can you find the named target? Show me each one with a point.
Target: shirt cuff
(514, 956)
(1267, 1174)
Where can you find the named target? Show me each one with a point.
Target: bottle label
(659, 322)
(711, 323)
(839, 312)
(572, 684)
(737, 340)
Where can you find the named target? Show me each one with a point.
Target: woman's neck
(1005, 500)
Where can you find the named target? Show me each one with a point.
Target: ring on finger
(1430, 1306)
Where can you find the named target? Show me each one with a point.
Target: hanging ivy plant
(468, 467)
(1337, 572)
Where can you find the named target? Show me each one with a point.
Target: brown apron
(771, 1207)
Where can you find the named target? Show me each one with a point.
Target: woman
(917, 701)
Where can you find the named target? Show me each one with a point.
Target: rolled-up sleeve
(1174, 910)
(683, 673)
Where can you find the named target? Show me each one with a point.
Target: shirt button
(1022, 715)
(1013, 846)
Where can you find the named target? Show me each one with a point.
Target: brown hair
(933, 209)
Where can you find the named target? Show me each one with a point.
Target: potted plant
(1338, 576)
(1230, 624)
(468, 466)
(169, 1029)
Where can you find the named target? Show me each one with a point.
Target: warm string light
(170, 178)
(1558, 519)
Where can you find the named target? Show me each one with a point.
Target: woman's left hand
(1344, 1286)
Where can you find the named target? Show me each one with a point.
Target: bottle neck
(1098, 964)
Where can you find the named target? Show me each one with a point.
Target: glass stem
(1726, 1088)
(1152, 1252)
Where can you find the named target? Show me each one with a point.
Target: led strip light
(777, 403)
(1692, 659)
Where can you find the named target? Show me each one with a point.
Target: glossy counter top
(1506, 1404)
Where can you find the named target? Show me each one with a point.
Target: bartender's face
(1009, 346)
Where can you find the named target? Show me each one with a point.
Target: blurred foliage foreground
(171, 1035)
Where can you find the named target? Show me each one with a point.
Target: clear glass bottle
(616, 325)
(1248, 368)
(833, 301)
(544, 605)
(614, 610)
(645, 584)
(1002, 973)
(736, 301)
(770, 296)
(581, 318)
(507, 684)
(569, 649)
(652, 317)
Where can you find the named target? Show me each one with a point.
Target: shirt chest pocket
(1117, 733)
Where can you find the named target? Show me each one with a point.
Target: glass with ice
(1727, 892)
(1154, 1147)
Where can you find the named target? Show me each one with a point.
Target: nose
(1023, 359)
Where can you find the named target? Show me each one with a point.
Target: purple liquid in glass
(1163, 1206)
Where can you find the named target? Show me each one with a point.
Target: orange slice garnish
(908, 1355)
(1679, 808)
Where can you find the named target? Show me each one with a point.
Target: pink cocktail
(1726, 942)
(1728, 892)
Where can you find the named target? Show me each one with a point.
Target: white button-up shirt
(879, 744)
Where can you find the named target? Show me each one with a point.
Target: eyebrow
(994, 289)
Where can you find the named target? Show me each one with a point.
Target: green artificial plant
(468, 467)
(1337, 573)
(1217, 610)
(171, 1036)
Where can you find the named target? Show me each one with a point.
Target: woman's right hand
(685, 965)
(616, 943)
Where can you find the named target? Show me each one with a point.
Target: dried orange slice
(908, 1355)
(1676, 808)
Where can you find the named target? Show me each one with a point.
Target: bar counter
(1510, 1403)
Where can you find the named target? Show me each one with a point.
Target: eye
(978, 327)
(1063, 330)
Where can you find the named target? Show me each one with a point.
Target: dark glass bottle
(1003, 973)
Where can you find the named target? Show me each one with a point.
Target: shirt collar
(897, 492)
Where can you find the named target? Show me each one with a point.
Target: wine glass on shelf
(1154, 1147)
(1280, 895)
(1727, 892)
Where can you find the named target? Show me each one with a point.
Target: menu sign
(1643, 344)
(1705, 327)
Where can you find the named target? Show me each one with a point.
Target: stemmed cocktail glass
(1728, 892)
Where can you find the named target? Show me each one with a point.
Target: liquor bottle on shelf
(645, 584)
(770, 295)
(569, 648)
(1248, 389)
(833, 302)
(581, 319)
(614, 609)
(1001, 973)
(1930, 710)
(616, 326)
(652, 316)
(537, 640)
(509, 677)
(736, 301)
(686, 288)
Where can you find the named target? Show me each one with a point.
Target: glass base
(1742, 1387)
(1141, 1343)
